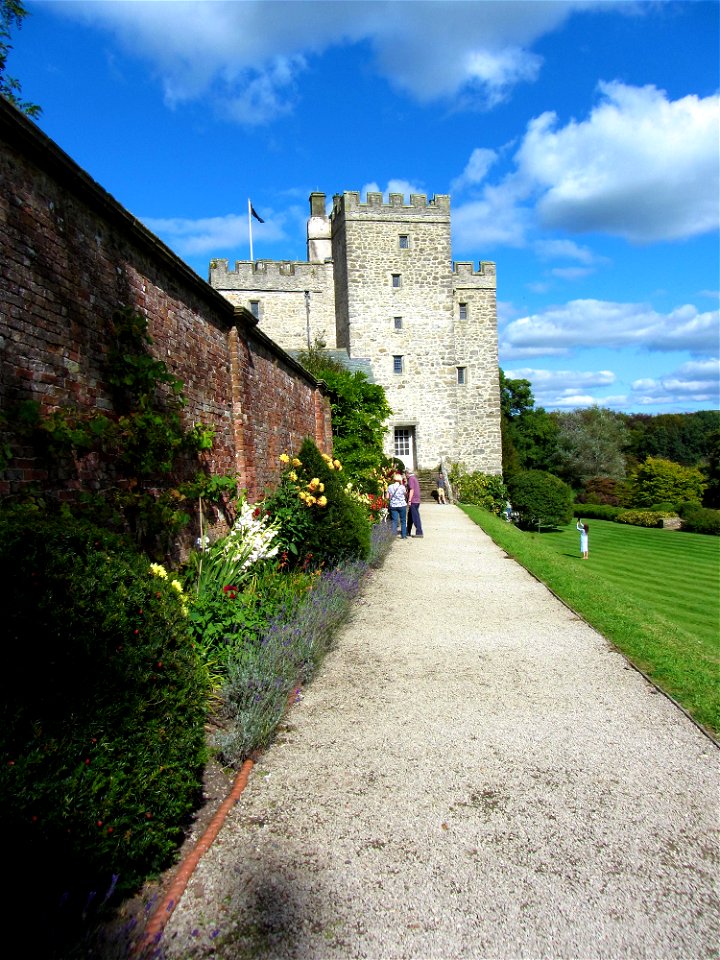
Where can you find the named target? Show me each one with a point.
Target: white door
(405, 446)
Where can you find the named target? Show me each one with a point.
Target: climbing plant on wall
(135, 466)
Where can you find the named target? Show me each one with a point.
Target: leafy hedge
(697, 519)
(596, 511)
(643, 518)
(102, 713)
(481, 489)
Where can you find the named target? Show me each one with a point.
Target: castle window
(463, 311)
(398, 364)
(255, 308)
(396, 279)
(398, 323)
(403, 441)
(462, 376)
(404, 241)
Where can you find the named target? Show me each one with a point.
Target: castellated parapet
(389, 294)
(292, 300)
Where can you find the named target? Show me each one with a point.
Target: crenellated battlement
(348, 204)
(464, 275)
(269, 274)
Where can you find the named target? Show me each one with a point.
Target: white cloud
(641, 166)
(553, 389)
(601, 323)
(247, 56)
(696, 382)
(481, 159)
(566, 250)
(188, 237)
(568, 380)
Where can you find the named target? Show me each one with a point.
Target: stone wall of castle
(294, 301)
(401, 310)
(478, 437)
(71, 257)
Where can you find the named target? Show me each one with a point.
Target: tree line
(596, 450)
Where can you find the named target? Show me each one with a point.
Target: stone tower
(380, 284)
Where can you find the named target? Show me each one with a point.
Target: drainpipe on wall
(307, 316)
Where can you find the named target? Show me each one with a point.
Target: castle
(380, 285)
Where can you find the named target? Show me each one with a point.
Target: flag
(254, 213)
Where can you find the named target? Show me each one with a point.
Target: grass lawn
(653, 593)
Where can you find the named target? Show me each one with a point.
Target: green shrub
(660, 481)
(697, 519)
(541, 499)
(603, 490)
(665, 507)
(231, 620)
(320, 523)
(102, 712)
(596, 511)
(481, 489)
(644, 518)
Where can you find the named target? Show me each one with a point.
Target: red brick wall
(71, 257)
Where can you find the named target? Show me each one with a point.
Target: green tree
(541, 499)
(712, 494)
(590, 444)
(359, 412)
(684, 438)
(12, 14)
(662, 481)
(529, 433)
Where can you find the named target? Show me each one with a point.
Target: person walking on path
(397, 504)
(441, 487)
(413, 493)
(584, 531)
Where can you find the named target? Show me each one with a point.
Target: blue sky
(580, 142)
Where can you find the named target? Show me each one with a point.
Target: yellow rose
(322, 501)
(337, 464)
(296, 462)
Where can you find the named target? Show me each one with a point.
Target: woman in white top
(584, 530)
(397, 504)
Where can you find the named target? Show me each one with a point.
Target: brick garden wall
(71, 257)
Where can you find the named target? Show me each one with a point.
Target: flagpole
(250, 229)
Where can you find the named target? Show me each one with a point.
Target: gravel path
(473, 773)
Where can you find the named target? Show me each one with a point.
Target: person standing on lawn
(413, 495)
(584, 531)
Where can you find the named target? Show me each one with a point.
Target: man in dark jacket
(413, 495)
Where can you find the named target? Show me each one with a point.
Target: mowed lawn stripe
(653, 593)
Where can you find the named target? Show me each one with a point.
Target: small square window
(463, 311)
(255, 308)
(404, 241)
(462, 375)
(396, 279)
(398, 323)
(397, 364)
